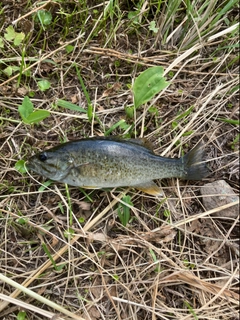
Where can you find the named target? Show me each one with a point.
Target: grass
(118, 254)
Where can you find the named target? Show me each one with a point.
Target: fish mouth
(43, 170)
(29, 166)
(32, 166)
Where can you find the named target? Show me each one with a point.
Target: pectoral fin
(87, 170)
(150, 188)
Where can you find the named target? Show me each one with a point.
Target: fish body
(114, 162)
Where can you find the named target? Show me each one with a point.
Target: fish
(110, 162)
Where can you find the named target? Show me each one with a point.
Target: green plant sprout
(29, 115)
(123, 210)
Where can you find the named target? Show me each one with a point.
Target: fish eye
(42, 156)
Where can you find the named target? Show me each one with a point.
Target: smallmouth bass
(109, 162)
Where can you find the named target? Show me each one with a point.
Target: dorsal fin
(142, 142)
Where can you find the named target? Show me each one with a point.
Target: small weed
(44, 17)
(235, 143)
(22, 315)
(190, 308)
(167, 214)
(60, 206)
(87, 96)
(45, 185)
(231, 121)
(57, 268)
(130, 110)
(188, 264)
(115, 277)
(183, 116)
(43, 85)
(69, 48)
(153, 110)
(123, 210)
(15, 37)
(69, 233)
(121, 124)
(101, 253)
(69, 204)
(236, 139)
(152, 27)
(10, 70)
(22, 220)
(68, 105)
(153, 255)
(81, 220)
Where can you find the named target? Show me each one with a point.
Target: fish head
(50, 164)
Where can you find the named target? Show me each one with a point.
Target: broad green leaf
(19, 38)
(37, 116)
(44, 85)
(45, 17)
(148, 84)
(69, 105)
(26, 108)
(20, 166)
(10, 34)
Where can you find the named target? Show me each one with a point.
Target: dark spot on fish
(42, 157)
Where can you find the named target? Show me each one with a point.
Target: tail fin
(195, 167)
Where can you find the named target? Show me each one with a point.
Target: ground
(174, 258)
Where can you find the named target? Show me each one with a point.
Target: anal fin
(150, 188)
(90, 187)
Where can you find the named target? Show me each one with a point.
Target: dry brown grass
(175, 259)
